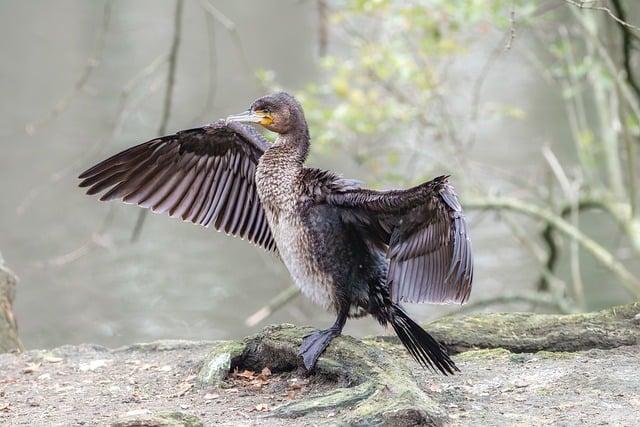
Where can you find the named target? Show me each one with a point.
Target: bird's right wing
(426, 237)
(203, 175)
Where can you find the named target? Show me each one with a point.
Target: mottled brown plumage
(354, 250)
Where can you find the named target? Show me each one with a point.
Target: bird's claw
(314, 344)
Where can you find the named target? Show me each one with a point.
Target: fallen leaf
(211, 396)
(246, 374)
(53, 359)
(182, 389)
(31, 368)
(266, 372)
(261, 407)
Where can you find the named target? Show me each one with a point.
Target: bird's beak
(249, 116)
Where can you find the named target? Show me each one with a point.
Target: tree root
(373, 386)
(529, 332)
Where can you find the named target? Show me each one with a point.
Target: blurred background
(531, 106)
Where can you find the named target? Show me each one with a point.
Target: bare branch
(275, 304)
(168, 98)
(92, 63)
(230, 26)
(595, 5)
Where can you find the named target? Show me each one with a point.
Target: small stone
(31, 401)
(31, 368)
(93, 365)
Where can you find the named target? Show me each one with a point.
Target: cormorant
(354, 250)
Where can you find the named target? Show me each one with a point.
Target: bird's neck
(293, 146)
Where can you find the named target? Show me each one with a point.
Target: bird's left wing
(203, 175)
(426, 235)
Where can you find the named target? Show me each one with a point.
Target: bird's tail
(423, 347)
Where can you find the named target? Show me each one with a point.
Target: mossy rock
(372, 386)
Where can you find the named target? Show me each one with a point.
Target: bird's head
(278, 112)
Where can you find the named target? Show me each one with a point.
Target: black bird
(354, 250)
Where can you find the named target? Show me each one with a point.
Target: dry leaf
(31, 368)
(262, 407)
(53, 359)
(249, 375)
(182, 389)
(211, 396)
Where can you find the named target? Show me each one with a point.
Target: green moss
(555, 354)
(217, 364)
(484, 354)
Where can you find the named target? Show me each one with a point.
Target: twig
(538, 253)
(123, 113)
(323, 27)
(608, 61)
(626, 47)
(571, 194)
(95, 240)
(168, 98)
(512, 27)
(593, 5)
(273, 305)
(92, 63)
(626, 35)
(231, 28)
(212, 80)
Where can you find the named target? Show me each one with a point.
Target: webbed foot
(314, 344)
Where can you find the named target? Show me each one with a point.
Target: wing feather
(426, 236)
(202, 175)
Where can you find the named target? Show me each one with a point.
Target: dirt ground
(92, 385)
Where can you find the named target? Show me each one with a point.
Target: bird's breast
(296, 247)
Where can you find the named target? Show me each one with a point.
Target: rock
(170, 419)
(9, 340)
(216, 366)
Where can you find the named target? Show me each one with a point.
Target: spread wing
(426, 235)
(203, 175)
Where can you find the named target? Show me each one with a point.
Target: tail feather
(423, 347)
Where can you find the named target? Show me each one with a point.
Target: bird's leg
(315, 343)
